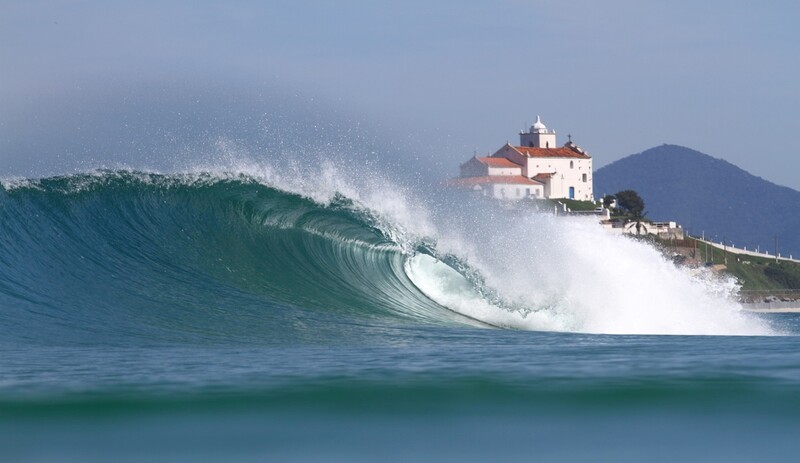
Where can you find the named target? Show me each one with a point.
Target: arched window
(571, 165)
(584, 178)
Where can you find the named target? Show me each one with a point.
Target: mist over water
(173, 126)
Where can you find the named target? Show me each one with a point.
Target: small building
(663, 230)
(536, 168)
(502, 186)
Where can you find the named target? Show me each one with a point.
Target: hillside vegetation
(757, 275)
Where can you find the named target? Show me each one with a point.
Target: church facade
(537, 168)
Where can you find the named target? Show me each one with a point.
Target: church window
(571, 165)
(584, 178)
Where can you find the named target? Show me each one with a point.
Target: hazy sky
(448, 77)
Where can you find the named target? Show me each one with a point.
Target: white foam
(589, 280)
(447, 287)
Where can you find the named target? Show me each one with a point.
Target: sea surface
(207, 317)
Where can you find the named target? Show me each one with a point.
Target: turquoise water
(433, 393)
(192, 318)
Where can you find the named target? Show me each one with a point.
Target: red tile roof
(498, 162)
(563, 152)
(487, 179)
(543, 176)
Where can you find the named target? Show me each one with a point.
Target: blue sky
(438, 78)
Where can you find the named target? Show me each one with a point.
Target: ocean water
(240, 314)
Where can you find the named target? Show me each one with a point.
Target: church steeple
(538, 126)
(538, 136)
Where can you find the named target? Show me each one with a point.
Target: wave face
(118, 257)
(115, 256)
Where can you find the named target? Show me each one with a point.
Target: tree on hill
(630, 204)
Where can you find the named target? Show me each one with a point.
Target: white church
(537, 168)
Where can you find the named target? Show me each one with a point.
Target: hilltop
(708, 195)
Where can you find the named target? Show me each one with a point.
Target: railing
(745, 252)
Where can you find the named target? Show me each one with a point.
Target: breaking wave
(122, 257)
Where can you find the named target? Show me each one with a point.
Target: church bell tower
(538, 136)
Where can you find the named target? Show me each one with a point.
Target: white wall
(567, 175)
(504, 170)
(515, 191)
(538, 140)
(513, 156)
(475, 168)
